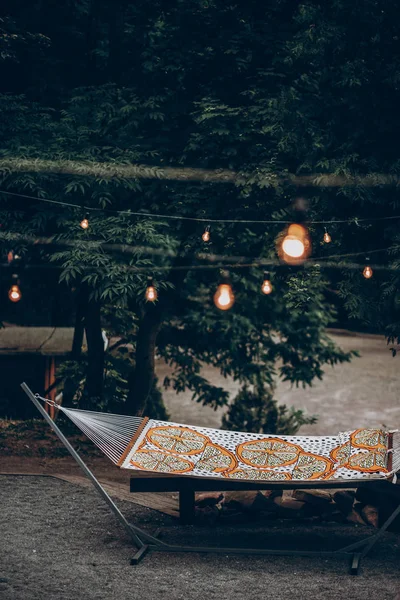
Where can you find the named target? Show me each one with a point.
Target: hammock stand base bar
(187, 486)
(146, 542)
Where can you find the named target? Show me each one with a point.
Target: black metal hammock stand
(116, 436)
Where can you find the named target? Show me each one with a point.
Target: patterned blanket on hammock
(199, 451)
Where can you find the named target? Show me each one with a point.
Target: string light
(206, 235)
(296, 244)
(14, 293)
(327, 237)
(367, 272)
(130, 213)
(266, 286)
(85, 222)
(151, 292)
(224, 297)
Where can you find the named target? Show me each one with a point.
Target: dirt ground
(362, 393)
(60, 542)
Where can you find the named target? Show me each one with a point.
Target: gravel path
(362, 393)
(60, 542)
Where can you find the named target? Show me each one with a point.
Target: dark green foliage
(257, 412)
(72, 373)
(262, 88)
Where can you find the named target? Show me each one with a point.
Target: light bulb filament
(206, 235)
(327, 237)
(266, 287)
(14, 293)
(367, 272)
(85, 222)
(295, 246)
(224, 297)
(151, 293)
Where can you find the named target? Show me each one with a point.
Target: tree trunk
(70, 386)
(81, 309)
(142, 378)
(93, 391)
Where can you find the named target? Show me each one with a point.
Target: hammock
(156, 446)
(162, 447)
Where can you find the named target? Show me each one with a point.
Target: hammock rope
(111, 433)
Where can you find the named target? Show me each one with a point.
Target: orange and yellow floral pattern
(370, 439)
(179, 440)
(216, 459)
(341, 454)
(257, 475)
(161, 462)
(312, 466)
(176, 449)
(368, 462)
(270, 453)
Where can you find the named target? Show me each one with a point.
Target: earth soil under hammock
(59, 540)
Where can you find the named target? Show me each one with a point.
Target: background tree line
(264, 89)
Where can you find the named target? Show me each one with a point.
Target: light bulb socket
(300, 206)
(224, 277)
(266, 275)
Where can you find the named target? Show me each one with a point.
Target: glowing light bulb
(151, 293)
(206, 235)
(327, 237)
(368, 272)
(85, 222)
(293, 247)
(14, 293)
(266, 286)
(296, 244)
(224, 298)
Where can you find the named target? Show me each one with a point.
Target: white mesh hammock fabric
(163, 447)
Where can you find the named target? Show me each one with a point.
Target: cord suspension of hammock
(111, 433)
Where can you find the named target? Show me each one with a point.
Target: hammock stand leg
(136, 534)
(373, 539)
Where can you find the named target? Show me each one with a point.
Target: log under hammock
(353, 457)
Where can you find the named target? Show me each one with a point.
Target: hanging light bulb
(85, 222)
(367, 272)
(266, 286)
(296, 244)
(151, 292)
(14, 293)
(327, 237)
(224, 297)
(206, 235)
